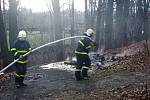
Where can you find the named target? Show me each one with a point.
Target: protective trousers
(20, 73)
(83, 65)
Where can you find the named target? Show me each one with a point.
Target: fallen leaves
(131, 92)
(139, 61)
(5, 77)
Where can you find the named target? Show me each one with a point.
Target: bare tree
(72, 24)
(125, 21)
(13, 30)
(109, 24)
(3, 40)
(51, 17)
(119, 22)
(146, 24)
(4, 13)
(139, 21)
(58, 30)
(98, 23)
(86, 15)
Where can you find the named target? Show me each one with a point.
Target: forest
(122, 29)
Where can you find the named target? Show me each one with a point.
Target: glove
(18, 56)
(21, 56)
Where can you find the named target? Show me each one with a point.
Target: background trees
(125, 21)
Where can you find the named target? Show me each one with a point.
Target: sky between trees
(41, 5)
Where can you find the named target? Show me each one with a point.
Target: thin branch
(5, 3)
(49, 6)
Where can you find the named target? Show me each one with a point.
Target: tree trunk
(119, 23)
(72, 24)
(86, 15)
(4, 14)
(58, 30)
(139, 21)
(98, 24)
(13, 30)
(109, 24)
(125, 21)
(3, 40)
(146, 25)
(132, 20)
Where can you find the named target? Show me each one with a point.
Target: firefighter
(20, 47)
(83, 60)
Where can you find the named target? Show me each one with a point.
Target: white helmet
(22, 34)
(90, 32)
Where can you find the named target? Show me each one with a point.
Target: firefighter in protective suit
(20, 47)
(83, 60)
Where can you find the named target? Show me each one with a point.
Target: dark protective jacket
(21, 47)
(84, 45)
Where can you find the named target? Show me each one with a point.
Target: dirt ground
(50, 83)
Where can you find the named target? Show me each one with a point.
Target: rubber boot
(16, 79)
(85, 74)
(17, 82)
(78, 75)
(21, 82)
